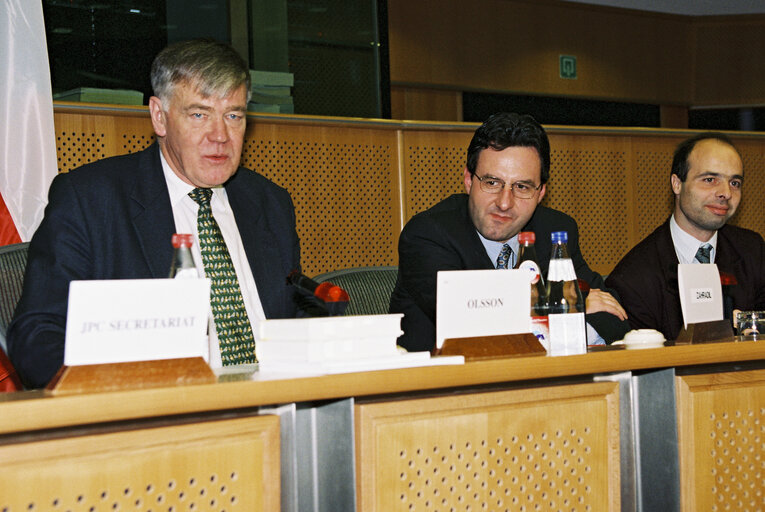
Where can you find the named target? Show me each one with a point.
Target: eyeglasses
(520, 189)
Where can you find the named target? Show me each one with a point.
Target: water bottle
(527, 261)
(183, 263)
(568, 332)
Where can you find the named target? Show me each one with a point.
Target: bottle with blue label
(527, 261)
(568, 331)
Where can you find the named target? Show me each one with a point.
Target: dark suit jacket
(444, 238)
(112, 219)
(646, 278)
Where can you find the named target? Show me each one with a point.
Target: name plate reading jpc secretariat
(115, 321)
(481, 303)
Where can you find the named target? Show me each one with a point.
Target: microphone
(326, 291)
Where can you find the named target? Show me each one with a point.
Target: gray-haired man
(114, 219)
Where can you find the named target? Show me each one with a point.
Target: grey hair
(213, 68)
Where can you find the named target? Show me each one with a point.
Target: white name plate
(114, 321)
(481, 303)
(700, 293)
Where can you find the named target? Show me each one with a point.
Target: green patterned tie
(237, 344)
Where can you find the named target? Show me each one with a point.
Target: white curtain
(27, 137)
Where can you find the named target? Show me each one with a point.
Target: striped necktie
(704, 253)
(505, 257)
(232, 325)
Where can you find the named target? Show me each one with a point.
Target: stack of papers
(94, 95)
(271, 92)
(336, 345)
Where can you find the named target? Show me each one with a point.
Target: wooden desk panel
(230, 465)
(721, 426)
(551, 447)
(400, 412)
(26, 411)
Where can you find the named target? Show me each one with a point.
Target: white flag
(27, 137)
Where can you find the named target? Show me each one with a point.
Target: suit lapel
(259, 244)
(152, 213)
(726, 257)
(667, 260)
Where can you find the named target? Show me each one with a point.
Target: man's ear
(677, 185)
(467, 179)
(542, 191)
(157, 116)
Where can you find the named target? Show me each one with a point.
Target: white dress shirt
(494, 248)
(687, 245)
(185, 212)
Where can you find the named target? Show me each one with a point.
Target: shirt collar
(493, 248)
(176, 187)
(686, 245)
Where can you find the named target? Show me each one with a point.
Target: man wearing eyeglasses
(505, 177)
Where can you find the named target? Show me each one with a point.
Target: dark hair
(212, 67)
(680, 165)
(505, 129)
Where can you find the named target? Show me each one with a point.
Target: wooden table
(579, 432)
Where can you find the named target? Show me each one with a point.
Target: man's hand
(598, 300)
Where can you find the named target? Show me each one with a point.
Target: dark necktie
(505, 257)
(703, 254)
(232, 325)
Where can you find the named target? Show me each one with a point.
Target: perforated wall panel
(434, 164)
(751, 212)
(590, 183)
(652, 197)
(343, 186)
(82, 138)
(500, 451)
(230, 466)
(722, 441)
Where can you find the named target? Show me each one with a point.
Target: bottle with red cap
(527, 261)
(183, 263)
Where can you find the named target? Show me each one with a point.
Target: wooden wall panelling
(84, 137)
(589, 176)
(721, 430)
(344, 184)
(230, 465)
(728, 69)
(751, 211)
(551, 448)
(426, 104)
(653, 202)
(433, 164)
(514, 46)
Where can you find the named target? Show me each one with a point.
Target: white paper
(283, 370)
(700, 293)
(330, 328)
(568, 334)
(481, 303)
(111, 321)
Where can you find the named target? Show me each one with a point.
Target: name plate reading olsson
(114, 321)
(481, 303)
